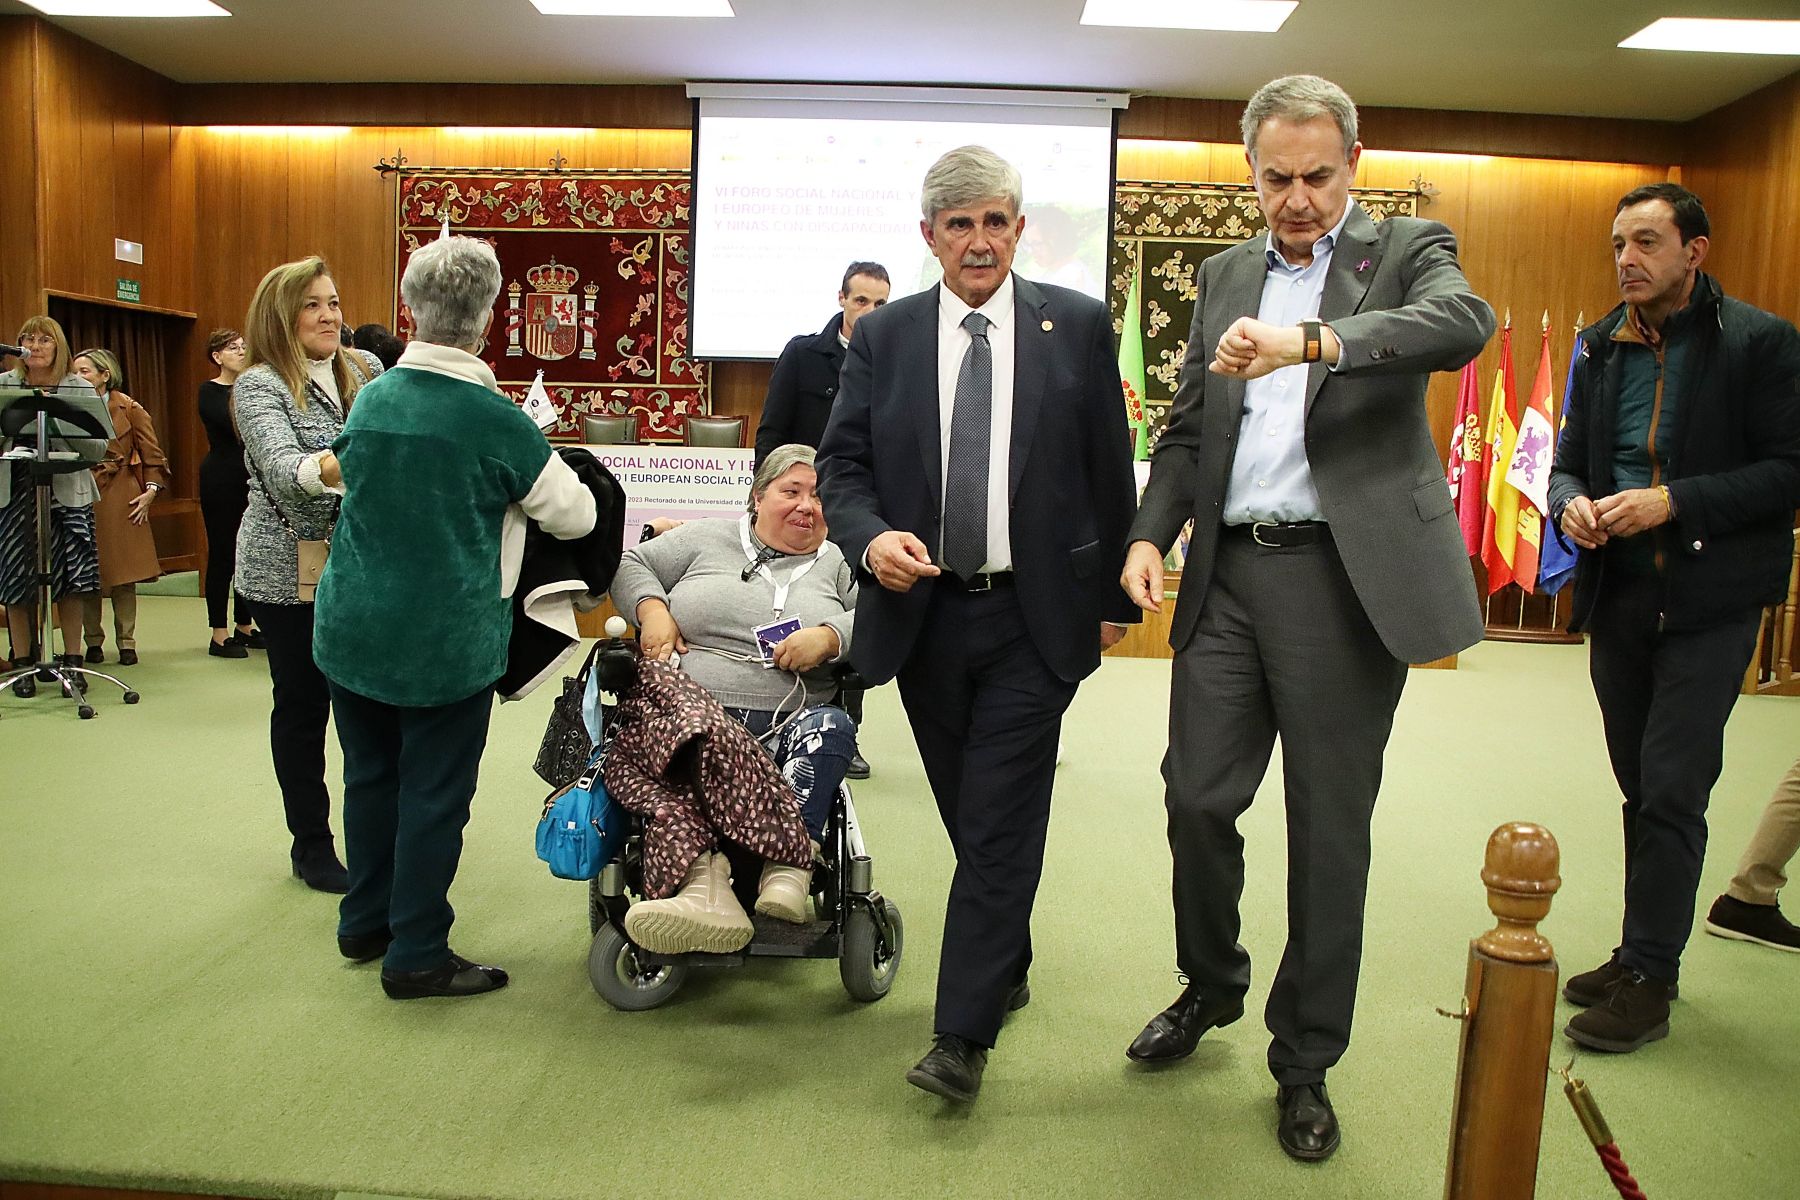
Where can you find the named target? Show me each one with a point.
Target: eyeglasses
(37, 339)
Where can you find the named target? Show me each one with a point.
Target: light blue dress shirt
(1270, 477)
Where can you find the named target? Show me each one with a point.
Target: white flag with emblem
(444, 233)
(538, 405)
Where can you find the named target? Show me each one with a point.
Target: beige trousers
(1763, 869)
(124, 606)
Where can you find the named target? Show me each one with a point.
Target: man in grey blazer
(1325, 558)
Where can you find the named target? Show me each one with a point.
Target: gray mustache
(980, 260)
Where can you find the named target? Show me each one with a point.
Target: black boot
(25, 686)
(318, 867)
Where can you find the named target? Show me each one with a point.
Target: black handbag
(566, 747)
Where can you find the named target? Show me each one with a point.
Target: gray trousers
(1283, 648)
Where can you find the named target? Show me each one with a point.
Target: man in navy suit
(977, 466)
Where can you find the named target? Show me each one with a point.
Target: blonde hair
(269, 336)
(60, 365)
(108, 365)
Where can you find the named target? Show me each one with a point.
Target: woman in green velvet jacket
(414, 612)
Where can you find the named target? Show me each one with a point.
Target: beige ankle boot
(781, 893)
(703, 916)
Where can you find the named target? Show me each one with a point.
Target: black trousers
(301, 707)
(1664, 699)
(985, 711)
(224, 493)
(409, 778)
(1283, 648)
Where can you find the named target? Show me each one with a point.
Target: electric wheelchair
(853, 923)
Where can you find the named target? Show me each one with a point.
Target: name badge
(772, 635)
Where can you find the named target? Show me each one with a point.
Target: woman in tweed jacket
(289, 405)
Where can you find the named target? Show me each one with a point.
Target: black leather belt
(1282, 534)
(978, 583)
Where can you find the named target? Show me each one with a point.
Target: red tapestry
(594, 293)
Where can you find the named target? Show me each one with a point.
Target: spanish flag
(1500, 523)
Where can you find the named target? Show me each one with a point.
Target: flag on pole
(1131, 373)
(1463, 467)
(1500, 522)
(444, 233)
(1528, 469)
(538, 405)
(1556, 565)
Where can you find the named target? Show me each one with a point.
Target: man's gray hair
(966, 175)
(450, 285)
(1299, 98)
(781, 460)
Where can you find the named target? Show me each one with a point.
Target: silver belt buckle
(987, 582)
(1256, 528)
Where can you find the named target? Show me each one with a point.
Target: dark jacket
(801, 390)
(557, 575)
(1734, 472)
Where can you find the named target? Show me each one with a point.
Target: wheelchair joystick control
(615, 627)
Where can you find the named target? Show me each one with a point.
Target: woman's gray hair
(781, 460)
(968, 174)
(450, 285)
(1299, 98)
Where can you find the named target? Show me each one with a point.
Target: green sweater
(412, 610)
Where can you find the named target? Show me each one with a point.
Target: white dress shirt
(953, 343)
(1270, 477)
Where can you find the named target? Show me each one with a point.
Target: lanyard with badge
(773, 633)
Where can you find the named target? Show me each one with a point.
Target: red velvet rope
(1619, 1173)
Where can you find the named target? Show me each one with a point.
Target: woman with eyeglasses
(224, 493)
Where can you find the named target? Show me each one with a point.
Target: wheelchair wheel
(624, 982)
(866, 970)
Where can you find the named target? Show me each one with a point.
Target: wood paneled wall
(21, 264)
(1744, 162)
(1532, 234)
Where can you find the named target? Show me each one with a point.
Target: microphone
(766, 555)
(9, 350)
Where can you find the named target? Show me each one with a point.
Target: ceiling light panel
(128, 8)
(1717, 36)
(1231, 16)
(634, 8)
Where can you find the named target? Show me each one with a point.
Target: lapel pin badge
(1049, 325)
(1362, 266)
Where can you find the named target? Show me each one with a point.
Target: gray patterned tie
(965, 482)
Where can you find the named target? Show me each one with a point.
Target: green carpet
(174, 1014)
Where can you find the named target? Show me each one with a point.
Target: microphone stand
(21, 408)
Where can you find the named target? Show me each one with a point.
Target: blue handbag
(582, 827)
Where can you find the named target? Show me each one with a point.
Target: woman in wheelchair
(756, 609)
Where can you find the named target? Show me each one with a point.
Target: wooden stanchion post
(1509, 1009)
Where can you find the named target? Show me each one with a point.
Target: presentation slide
(787, 193)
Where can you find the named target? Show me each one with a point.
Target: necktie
(965, 482)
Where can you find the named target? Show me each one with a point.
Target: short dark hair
(377, 340)
(1690, 214)
(873, 270)
(221, 338)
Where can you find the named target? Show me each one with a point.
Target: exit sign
(129, 290)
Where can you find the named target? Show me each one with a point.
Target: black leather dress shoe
(365, 947)
(128, 658)
(1308, 1129)
(1019, 997)
(1174, 1032)
(96, 654)
(952, 1069)
(859, 767)
(458, 977)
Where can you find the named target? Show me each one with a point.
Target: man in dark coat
(1677, 476)
(805, 381)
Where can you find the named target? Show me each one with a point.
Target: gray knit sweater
(697, 570)
(280, 440)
